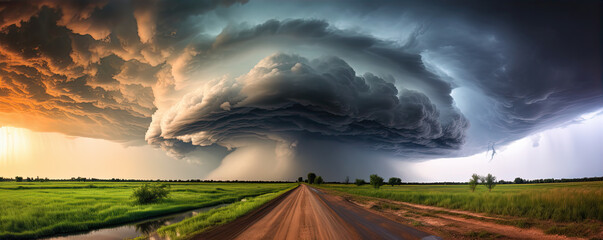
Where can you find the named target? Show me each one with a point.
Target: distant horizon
(582, 179)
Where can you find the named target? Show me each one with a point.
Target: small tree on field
(150, 193)
(394, 181)
(359, 182)
(518, 180)
(347, 180)
(490, 182)
(300, 179)
(376, 181)
(19, 179)
(318, 180)
(311, 177)
(474, 181)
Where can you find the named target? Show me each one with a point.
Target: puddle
(132, 230)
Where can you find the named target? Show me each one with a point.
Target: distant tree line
(519, 180)
(83, 179)
(21, 179)
(490, 182)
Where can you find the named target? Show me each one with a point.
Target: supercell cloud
(286, 97)
(276, 89)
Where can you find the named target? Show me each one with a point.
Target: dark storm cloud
(103, 68)
(538, 61)
(320, 34)
(534, 68)
(287, 98)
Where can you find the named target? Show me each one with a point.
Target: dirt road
(308, 213)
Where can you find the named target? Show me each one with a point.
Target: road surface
(308, 213)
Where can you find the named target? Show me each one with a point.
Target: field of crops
(35, 209)
(565, 202)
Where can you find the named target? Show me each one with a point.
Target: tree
(319, 180)
(474, 181)
(19, 179)
(359, 182)
(311, 177)
(300, 179)
(347, 180)
(490, 182)
(394, 181)
(376, 181)
(518, 180)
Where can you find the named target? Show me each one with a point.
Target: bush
(359, 182)
(376, 181)
(319, 180)
(151, 193)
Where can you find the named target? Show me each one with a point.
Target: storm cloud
(403, 80)
(287, 97)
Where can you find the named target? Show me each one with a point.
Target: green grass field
(564, 202)
(36, 209)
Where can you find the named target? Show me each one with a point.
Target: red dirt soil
(307, 213)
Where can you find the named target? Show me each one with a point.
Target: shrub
(151, 193)
(376, 181)
(359, 182)
(319, 180)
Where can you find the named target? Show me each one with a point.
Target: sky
(270, 90)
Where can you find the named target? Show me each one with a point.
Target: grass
(483, 235)
(575, 229)
(38, 209)
(562, 202)
(215, 217)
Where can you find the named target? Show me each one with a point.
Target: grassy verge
(34, 210)
(563, 202)
(445, 222)
(216, 217)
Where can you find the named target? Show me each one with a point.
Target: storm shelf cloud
(297, 86)
(287, 97)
